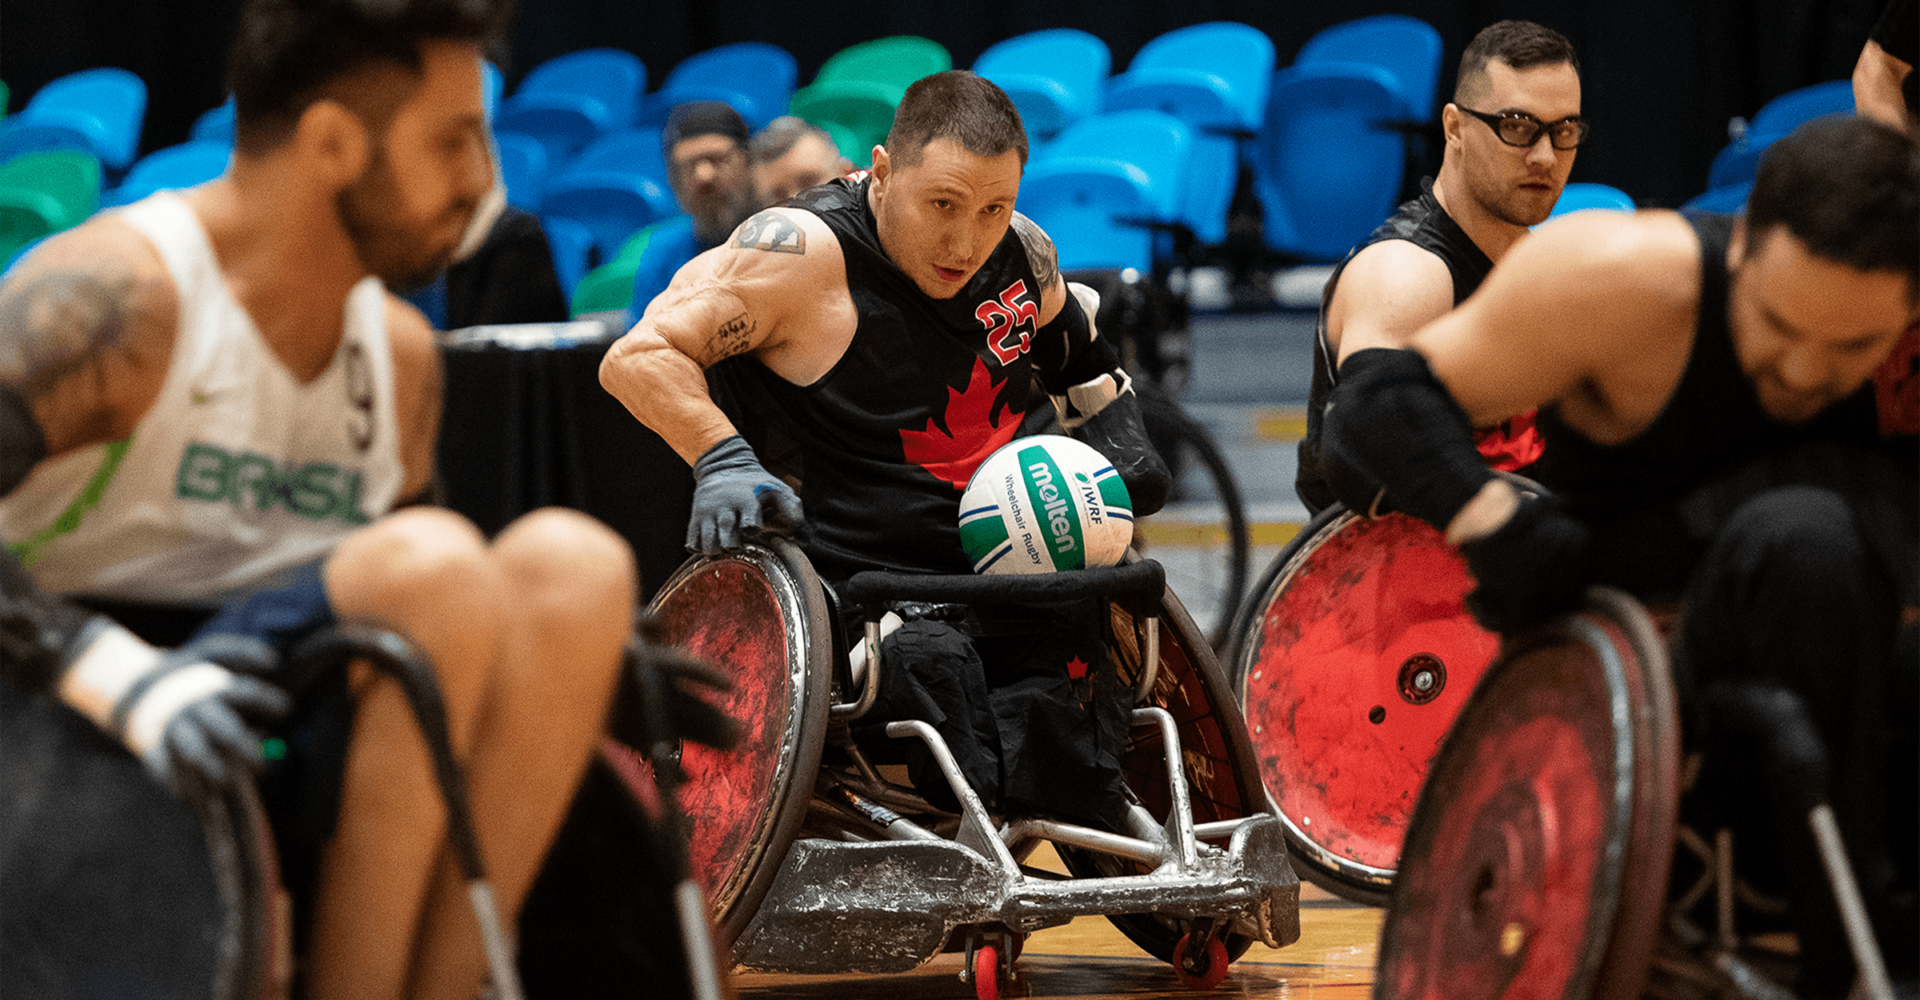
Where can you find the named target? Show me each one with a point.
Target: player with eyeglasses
(1493, 184)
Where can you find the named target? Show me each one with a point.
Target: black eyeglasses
(1517, 128)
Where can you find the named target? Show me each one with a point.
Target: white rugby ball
(1043, 504)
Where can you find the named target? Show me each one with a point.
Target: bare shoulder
(87, 324)
(1651, 257)
(1386, 292)
(1044, 257)
(93, 279)
(417, 391)
(780, 276)
(410, 337)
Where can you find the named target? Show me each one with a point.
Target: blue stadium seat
(1055, 77)
(1736, 163)
(572, 245)
(1109, 187)
(189, 163)
(612, 205)
(523, 166)
(629, 150)
(1724, 199)
(1215, 78)
(756, 78)
(1582, 195)
(1328, 161)
(569, 100)
(99, 111)
(1404, 46)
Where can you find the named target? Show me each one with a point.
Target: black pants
(1026, 699)
(1798, 683)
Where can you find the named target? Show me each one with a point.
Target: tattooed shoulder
(772, 232)
(55, 322)
(1041, 253)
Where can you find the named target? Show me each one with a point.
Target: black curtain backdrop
(1662, 76)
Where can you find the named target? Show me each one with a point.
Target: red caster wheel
(1201, 971)
(986, 972)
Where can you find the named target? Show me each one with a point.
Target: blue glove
(186, 712)
(731, 492)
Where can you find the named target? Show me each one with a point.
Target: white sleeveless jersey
(237, 471)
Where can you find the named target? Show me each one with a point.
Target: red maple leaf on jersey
(973, 431)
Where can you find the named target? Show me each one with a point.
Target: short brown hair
(1519, 44)
(955, 105)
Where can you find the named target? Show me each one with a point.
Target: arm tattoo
(56, 324)
(733, 337)
(1041, 253)
(772, 232)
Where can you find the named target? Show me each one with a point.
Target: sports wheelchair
(115, 887)
(1517, 808)
(812, 867)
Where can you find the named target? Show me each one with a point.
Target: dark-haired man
(711, 173)
(1512, 132)
(224, 404)
(1732, 404)
(873, 340)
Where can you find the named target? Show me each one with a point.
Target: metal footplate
(891, 905)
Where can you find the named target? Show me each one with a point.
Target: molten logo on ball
(1044, 504)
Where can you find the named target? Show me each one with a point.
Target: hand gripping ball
(1043, 504)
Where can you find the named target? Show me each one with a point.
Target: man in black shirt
(875, 341)
(1732, 405)
(1499, 175)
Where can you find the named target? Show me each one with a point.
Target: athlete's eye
(994, 209)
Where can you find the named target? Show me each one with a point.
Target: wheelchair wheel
(1201, 535)
(113, 885)
(1536, 863)
(1350, 661)
(1223, 776)
(761, 616)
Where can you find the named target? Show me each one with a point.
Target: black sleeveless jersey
(1424, 223)
(881, 447)
(1714, 423)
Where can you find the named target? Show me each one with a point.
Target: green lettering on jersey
(311, 491)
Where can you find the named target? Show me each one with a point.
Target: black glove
(1532, 569)
(664, 698)
(1119, 432)
(731, 491)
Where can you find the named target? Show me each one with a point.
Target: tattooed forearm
(1041, 253)
(55, 324)
(770, 231)
(735, 336)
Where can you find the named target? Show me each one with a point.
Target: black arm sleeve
(1066, 353)
(1389, 421)
(36, 629)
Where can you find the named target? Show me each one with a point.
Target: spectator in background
(711, 172)
(791, 155)
(1883, 80)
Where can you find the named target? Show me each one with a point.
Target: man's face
(809, 162)
(939, 219)
(713, 182)
(425, 174)
(1515, 184)
(1809, 331)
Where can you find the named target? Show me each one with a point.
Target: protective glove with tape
(188, 713)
